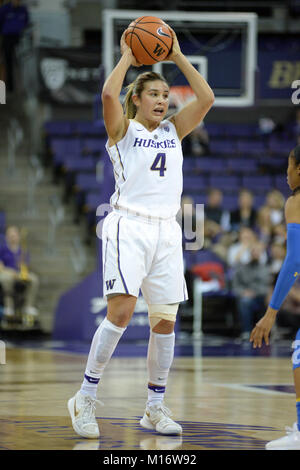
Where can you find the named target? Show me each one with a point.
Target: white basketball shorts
(138, 253)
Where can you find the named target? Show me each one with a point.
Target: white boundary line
(255, 388)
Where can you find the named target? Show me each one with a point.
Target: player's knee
(119, 318)
(120, 309)
(162, 318)
(164, 327)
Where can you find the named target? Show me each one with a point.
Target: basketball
(149, 39)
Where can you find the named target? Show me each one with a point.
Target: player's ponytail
(136, 88)
(129, 106)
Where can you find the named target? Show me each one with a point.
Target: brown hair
(136, 88)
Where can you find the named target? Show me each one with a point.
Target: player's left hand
(175, 47)
(262, 329)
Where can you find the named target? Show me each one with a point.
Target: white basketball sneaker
(289, 442)
(82, 409)
(158, 417)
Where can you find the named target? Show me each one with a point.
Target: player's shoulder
(292, 209)
(293, 200)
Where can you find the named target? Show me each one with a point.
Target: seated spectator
(240, 252)
(271, 213)
(206, 265)
(279, 234)
(14, 268)
(199, 141)
(217, 219)
(245, 215)
(266, 125)
(250, 284)
(277, 255)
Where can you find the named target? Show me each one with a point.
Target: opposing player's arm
(116, 122)
(292, 210)
(289, 271)
(194, 112)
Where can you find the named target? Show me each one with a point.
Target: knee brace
(157, 312)
(296, 353)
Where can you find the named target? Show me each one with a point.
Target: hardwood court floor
(221, 402)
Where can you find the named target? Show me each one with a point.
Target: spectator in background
(250, 284)
(277, 255)
(240, 252)
(279, 234)
(217, 219)
(271, 214)
(199, 141)
(14, 268)
(14, 18)
(266, 125)
(245, 215)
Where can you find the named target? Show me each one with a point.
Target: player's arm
(116, 122)
(194, 112)
(289, 271)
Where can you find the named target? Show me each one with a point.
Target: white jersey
(148, 170)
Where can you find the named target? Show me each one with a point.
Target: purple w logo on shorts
(110, 284)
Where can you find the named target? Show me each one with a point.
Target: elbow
(106, 94)
(211, 99)
(207, 101)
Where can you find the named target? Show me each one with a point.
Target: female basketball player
(288, 273)
(142, 245)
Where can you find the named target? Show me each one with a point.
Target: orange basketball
(149, 39)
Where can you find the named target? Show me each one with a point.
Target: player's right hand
(125, 48)
(262, 329)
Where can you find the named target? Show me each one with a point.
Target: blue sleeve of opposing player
(290, 268)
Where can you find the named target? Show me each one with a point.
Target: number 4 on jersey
(159, 164)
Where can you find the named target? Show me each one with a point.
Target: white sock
(88, 387)
(159, 360)
(103, 345)
(156, 394)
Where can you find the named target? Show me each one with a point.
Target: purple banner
(81, 310)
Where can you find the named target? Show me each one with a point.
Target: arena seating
(2, 223)
(240, 156)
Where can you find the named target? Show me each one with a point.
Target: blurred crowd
(249, 242)
(18, 283)
(251, 246)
